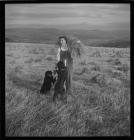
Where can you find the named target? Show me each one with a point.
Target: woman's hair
(59, 40)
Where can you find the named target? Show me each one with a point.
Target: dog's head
(48, 73)
(60, 65)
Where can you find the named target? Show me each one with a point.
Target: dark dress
(67, 55)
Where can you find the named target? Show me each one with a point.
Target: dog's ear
(59, 64)
(46, 73)
(50, 74)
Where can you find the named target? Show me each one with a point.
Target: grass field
(100, 105)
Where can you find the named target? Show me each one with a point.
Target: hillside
(106, 38)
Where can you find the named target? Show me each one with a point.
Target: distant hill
(50, 35)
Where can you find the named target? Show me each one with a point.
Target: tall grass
(101, 113)
(100, 105)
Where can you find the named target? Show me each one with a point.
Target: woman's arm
(65, 62)
(58, 54)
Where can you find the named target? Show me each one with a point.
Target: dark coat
(67, 55)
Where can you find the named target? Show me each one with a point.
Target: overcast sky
(64, 14)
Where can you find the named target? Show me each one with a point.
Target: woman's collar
(63, 49)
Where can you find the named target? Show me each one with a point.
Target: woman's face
(63, 42)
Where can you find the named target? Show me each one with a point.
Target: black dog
(59, 88)
(49, 80)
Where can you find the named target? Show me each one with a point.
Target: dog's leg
(55, 95)
(42, 89)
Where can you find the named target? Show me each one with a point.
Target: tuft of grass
(30, 60)
(34, 51)
(114, 61)
(100, 79)
(86, 70)
(96, 54)
(124, 68)
(82, 71)
(49, 58)
(96, 67)
(37, 60)
(10, 55)
(119, 54)
(83, 62)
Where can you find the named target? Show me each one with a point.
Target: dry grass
(100, 105)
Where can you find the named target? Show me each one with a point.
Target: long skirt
(69, 78)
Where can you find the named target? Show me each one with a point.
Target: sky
(67, 14)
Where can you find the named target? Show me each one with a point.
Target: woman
(64, 55)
